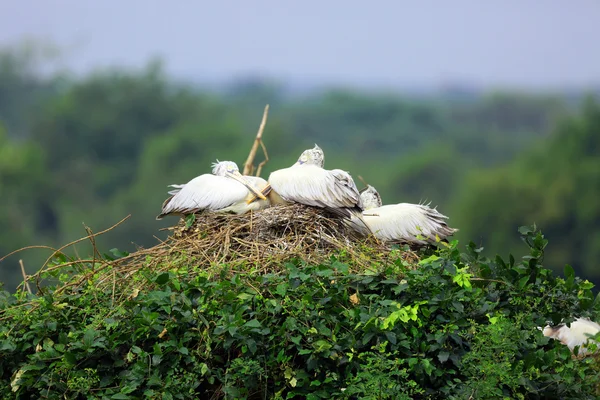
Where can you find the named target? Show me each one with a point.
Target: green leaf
(525, 230)
(245, 296)
(429, 260)
(162, 278)
(522, 282)
(70, 358)
(189, 220)
(586, 285)
(443, 356)
(253, 323)
(88, 338)
(251, 345)
(118, 253)
(569, 272)
(322, 345)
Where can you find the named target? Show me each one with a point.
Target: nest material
(257, 242)
(268, 237)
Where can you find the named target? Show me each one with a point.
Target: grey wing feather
(346, 185)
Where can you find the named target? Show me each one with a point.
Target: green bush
(459, 326)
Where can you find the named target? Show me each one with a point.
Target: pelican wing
(205, 192)
(404, 222)
(577, 334)
(346, 184)
(315, 186)
(176, 188)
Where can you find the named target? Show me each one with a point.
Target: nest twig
(249, 164)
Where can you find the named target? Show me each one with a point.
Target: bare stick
(264, 149)
(27, 248)
(95, 251)
(25, 277)
(248, 166)
(37, 275)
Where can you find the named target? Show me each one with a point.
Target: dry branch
(26, 284)
(249, 164)
(262, 164)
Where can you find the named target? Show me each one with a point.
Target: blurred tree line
(93, 149)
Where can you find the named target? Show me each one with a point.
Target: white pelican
(404, 222)
(225, 190)
(577, 334)
(307, 182)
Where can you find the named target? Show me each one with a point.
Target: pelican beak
(240, 178)
(265, 192)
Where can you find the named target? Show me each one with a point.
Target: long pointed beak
(240, 178)
(265, 191)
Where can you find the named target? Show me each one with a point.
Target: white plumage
(577, 334)
(307, 182)
(404, 222)
(225, 190)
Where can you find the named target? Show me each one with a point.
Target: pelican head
(225, 168)
(370, 198)
(314, 156)
(231, 170)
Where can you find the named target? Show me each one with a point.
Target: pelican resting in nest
(403, 223)
(577, 334)
(307, 182)
(225, 190)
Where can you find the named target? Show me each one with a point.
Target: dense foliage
(96, 148)
(459, 326)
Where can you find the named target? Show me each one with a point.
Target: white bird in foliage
(404, 222)
(577, 334)
(225, 190)
(307, 182)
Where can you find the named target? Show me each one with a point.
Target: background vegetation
(459, 326)
(96, 148)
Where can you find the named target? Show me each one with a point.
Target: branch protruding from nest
(26, 284)
(249, 164)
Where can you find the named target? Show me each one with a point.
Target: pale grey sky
(506, 42)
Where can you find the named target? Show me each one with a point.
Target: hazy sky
(392, 42)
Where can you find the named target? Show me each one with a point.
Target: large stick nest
(269, 237)
(259, 242)
(216, 244)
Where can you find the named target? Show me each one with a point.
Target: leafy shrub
(460, 326)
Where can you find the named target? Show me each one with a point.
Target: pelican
(307, 182)
(404, 222)
(225, 190)
(577, 334)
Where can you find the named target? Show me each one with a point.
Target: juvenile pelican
(225, 190)
(577, 334)
(404, 222)
(307, 182)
